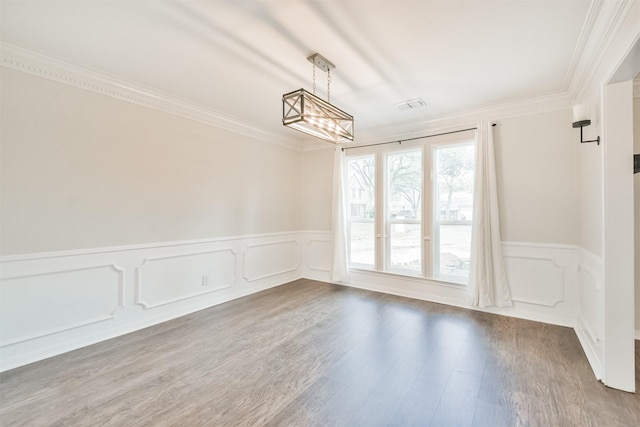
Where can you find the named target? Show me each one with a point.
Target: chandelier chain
(329, 85)
(314, 78)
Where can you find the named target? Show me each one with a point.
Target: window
(404, 211)
(361, 221)
(422, 226)
(453, 203)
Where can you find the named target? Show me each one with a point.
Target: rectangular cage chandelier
(306, 112)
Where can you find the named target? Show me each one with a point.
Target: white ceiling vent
(411, 104)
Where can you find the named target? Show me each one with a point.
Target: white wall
(536, 169)
(316, 178)
(83, 170)
(536, 164)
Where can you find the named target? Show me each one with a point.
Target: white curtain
(339, 267)
(487, 278)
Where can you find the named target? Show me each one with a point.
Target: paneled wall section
(542, 278)
(59, 301)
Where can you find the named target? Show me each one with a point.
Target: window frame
(388, 222)
(371, 267)
(382, 238)
(436, 222)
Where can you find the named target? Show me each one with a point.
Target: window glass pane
(404, 181)
(455, 250)
(404, 208)
(454, 182)
(453, 206)
(362, 242)
(361, 209)
(405, 247)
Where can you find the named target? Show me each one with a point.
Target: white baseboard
(590, 348)
(590, 318)
(549, 295)
(455, 295)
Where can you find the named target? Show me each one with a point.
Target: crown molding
(601, 26)
(30, 62)
(493, 112)
(579, 52)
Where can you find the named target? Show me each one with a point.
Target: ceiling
(239, 56)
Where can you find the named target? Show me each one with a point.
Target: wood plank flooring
(313, 354)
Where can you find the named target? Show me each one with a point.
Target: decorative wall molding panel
(318, 255)
(177, 277)
(34, 63)
(538, 274)
(85, 298)
(56, 302)
(590, 319)
(265, 260)
(39, 304)
(542, 279)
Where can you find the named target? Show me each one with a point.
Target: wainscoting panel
(317, 253)
(56, 302)
(538, 281)
(590, 323)
(169, 279)
(47, 302)
(270, 259)
(542, 278)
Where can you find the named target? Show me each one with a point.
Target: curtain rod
(400, 141)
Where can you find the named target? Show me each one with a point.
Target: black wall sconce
(580, 120)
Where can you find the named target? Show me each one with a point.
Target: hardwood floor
(309, 353)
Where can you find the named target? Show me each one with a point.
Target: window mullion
(427, 225)
(380, 232)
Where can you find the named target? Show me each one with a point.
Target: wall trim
(610, 16)
(592, 265)
(540, 245)
(47, 67)
(131, 316)
(120, 304)
(588, 346)
(461, 303)
(208, 290)
(276, 273)
(139, 246)
(133, 257)
(309, 264)
(40, 65)
(558, 299)
(588, 266)
(585, 32)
